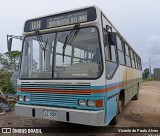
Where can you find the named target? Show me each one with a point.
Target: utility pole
(149, 67)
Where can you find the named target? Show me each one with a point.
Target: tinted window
(121, 57)
(119, 43)
(128, 60)
(120, 51)
(126, 50)
(132, 58)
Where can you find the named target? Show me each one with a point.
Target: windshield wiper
(70, 38)
(40, 41)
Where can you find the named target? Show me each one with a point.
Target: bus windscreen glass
(43, 56)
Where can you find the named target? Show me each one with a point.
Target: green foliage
(146, 73)
(9, 62)
(8, 87)
(5, 82)
(148, 79)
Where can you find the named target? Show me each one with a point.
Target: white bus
(77, 68)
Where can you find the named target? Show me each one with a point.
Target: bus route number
(36, 25)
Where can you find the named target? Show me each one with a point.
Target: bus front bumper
(85, 117)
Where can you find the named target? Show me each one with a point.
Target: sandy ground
(144, 112)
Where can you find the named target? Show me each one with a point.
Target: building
(157, 74)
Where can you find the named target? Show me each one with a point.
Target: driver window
(111, 57)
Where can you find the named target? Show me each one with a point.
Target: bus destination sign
(67, 19)
(63, 19)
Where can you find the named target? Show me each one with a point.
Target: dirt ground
(144, 112)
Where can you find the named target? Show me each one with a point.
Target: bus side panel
(123, 77)
(139, 75)
(128, 91)
(112, 96)
(111, 107)
(135, 82)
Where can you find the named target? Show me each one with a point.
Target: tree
(13, 59)
(34, 64)
(9, 63)
(146, 73)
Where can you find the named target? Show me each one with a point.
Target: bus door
(112, 75)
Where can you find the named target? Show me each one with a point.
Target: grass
(147, 79)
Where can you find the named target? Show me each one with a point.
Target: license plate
(50, 114)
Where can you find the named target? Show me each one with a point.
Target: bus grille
(63, 95)
(53, 99)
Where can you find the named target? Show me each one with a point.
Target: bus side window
(135, 58)
(128, 60)
(132, 58)
(120, 46)
(111, 57)
(106, 45)
(138, 63)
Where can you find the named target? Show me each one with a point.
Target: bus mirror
(9, 41)
(9, 44)
(112, 38)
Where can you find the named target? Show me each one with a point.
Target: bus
(76, 68)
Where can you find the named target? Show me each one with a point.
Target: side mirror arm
(9, 41)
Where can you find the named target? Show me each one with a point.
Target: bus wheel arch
(120, 101)
(136, 96)
(120, 104)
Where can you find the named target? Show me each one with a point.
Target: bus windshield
(43, 55)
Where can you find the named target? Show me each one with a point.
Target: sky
(137, 20)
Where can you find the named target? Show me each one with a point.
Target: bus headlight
(20, 98)
(26, 98)
(90, 103)
(81, 102)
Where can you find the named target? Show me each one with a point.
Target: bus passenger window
(136, 61)
(132, 58)
(128, 60)
(120, 45)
